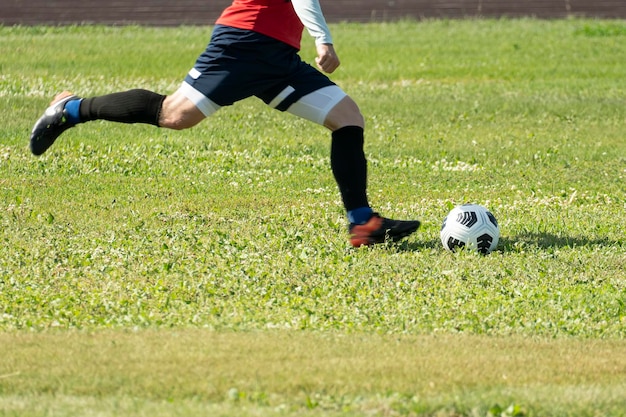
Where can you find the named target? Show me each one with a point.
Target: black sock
(133, 106)
(349, 166)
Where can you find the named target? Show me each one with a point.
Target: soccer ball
(470, 226)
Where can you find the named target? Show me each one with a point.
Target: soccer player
(253, 51)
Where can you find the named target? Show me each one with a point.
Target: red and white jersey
(274, 18)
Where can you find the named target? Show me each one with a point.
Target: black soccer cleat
(51, 124)
(380, 229)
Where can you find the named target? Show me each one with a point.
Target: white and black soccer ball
(470, 226)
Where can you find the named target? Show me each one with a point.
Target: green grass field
(146, 272)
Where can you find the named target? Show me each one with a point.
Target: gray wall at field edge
(199, 12)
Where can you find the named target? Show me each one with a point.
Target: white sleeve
(311, 16)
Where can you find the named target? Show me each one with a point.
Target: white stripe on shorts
(281, 96)
(194, 73)
(203, 103)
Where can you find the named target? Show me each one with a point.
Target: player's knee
(174, 123)
(345, 113)
(178, 113)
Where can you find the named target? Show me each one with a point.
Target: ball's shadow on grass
(550, 240)
(519, 242)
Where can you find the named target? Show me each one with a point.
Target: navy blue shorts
(239, 63)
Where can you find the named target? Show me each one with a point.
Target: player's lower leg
(349, 167)
(67, 110)
(133, 106)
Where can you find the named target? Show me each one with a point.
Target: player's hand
(327, 60)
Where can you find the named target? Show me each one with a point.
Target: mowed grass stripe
(361, 372)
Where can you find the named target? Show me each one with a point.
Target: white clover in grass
(446, 165)
(5, 153)
(321, 190)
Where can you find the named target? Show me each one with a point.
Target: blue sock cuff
(72, 109)
(360, 215)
